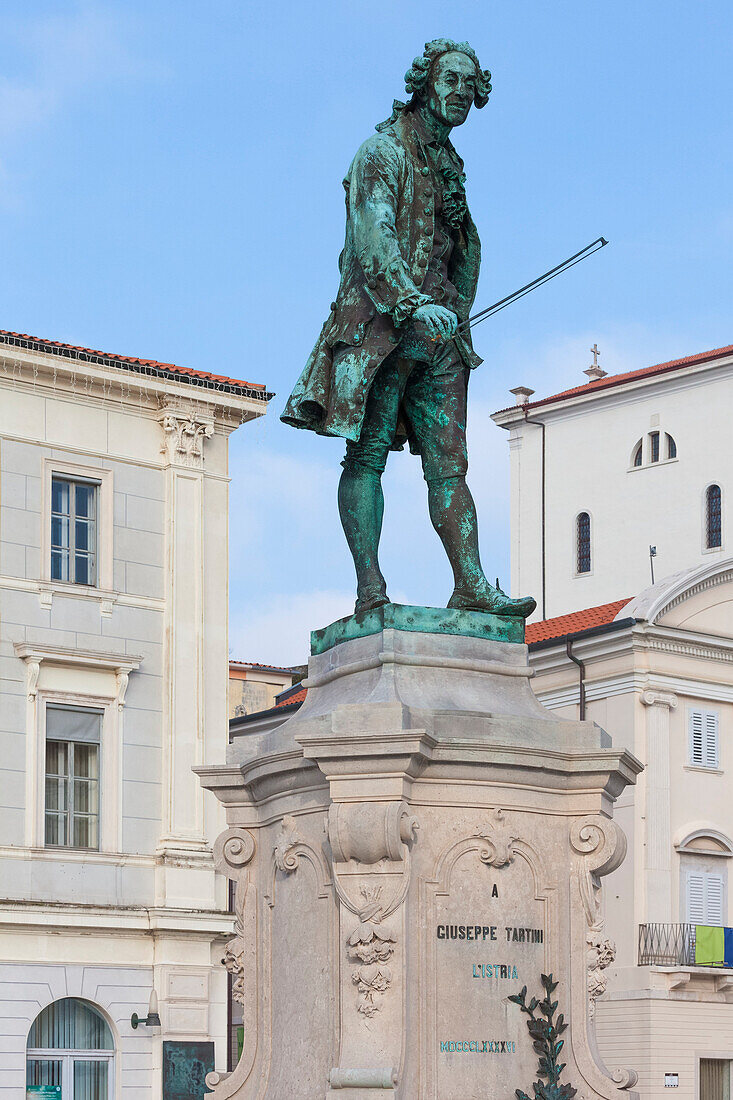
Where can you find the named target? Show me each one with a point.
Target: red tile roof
(296, 697)
(34, 343)
(629, 376)
(573, 623)
(234, 663)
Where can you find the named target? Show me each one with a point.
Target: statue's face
(451, 88)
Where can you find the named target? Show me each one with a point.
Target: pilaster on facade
(658, 860)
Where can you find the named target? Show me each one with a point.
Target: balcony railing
(666, 945)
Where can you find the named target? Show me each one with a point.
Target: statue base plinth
(417, 843)
(423, 620)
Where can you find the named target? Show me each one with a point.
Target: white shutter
(711, 739)
(713, 900)
(696, 737)
(696, 898)
(703, 738)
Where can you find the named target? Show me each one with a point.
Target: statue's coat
(389, 238)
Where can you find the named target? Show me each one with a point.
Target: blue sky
(170, 187)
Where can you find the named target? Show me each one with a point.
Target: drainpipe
(541, 424)
(230, 991)
(581, 666)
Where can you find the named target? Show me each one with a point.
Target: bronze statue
(390, 364)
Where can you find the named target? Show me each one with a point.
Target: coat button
(357, 338)
(425, 170)
(428, 209)
(371, 282)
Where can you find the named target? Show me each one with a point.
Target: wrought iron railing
(666, 945)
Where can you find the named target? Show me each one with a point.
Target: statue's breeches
(432, 399)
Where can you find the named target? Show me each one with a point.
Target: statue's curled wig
(416, 77)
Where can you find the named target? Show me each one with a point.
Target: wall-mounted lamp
(152, 1019)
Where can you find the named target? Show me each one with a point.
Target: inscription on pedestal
(489, 940)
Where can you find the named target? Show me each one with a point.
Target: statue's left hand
(439, 321)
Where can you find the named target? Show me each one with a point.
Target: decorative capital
(652, 698)
(184, 432)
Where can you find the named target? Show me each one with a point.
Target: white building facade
(657, 675)
(113, 685)
(601, 472)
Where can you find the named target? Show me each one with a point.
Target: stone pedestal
(420, 841)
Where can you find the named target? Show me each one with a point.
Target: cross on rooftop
(595, 371)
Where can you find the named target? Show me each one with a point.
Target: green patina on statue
(389, 365)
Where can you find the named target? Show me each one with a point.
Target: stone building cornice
(122, 386)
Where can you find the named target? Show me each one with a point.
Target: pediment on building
(699, 600)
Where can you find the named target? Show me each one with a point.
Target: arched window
(671, 446)
(70, 1046)
(713, 518)
(583, 543)
(638, 453)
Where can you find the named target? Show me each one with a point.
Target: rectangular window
(703, 738)
(654, 441)
(704, 898)
(73, 531)
(72, 777)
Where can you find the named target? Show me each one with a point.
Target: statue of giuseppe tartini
(390, 364)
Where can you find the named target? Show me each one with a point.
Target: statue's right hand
(439, 321)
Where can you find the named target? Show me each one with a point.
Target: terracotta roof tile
(629, 376)
(234, 662)
(35, 343)
(296, 697)
(573, 623)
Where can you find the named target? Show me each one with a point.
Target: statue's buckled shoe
(371, 597)
(493, 601)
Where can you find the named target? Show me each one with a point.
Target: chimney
(522, 394)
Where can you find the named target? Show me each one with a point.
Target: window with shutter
(704, 898)
(696, 899)
(703, 738)
(714, 899)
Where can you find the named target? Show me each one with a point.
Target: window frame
(110, 763)
(68, 1055)
(103, 479)
(71, 552)
(705, 714)
(576, 544)
(655, 438)
(71, 779)
(707, 549)
(707, 878)
(642, 450)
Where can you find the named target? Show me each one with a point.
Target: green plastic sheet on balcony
(710, 945)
